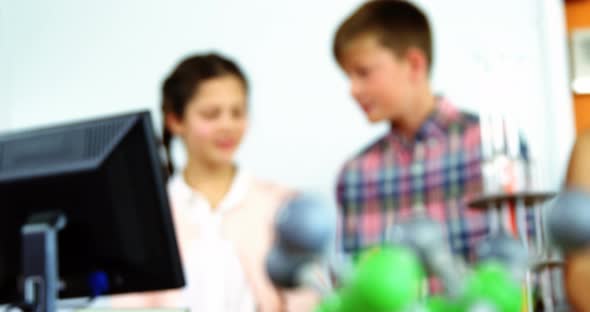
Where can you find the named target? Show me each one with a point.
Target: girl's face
(214, 121)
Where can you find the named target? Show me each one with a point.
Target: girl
(223, 215)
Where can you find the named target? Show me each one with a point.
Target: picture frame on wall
(580, 60)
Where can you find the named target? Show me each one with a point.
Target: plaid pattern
(437, 174)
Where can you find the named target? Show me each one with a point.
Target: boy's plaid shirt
(437, 173)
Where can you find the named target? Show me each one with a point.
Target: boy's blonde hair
(397, 25)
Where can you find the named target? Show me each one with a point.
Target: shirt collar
(436, 124)
(236, 194)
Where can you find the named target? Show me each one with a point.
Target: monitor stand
(40, 261)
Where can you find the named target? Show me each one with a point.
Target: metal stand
(496, 205)
(40, 262)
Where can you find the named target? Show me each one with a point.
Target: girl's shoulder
(177, 187)
(266, 193)
(270, 187)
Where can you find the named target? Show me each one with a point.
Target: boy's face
(380, 81)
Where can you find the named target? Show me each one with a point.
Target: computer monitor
(105, 179)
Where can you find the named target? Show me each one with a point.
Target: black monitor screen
(106, 177)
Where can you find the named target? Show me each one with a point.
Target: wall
(63, 60)
(5, 74)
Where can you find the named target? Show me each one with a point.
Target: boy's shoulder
(451, 116)
(455, 125)
(465, 119)
(465, 128)
(452, 120)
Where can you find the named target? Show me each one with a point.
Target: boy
(430, 160)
